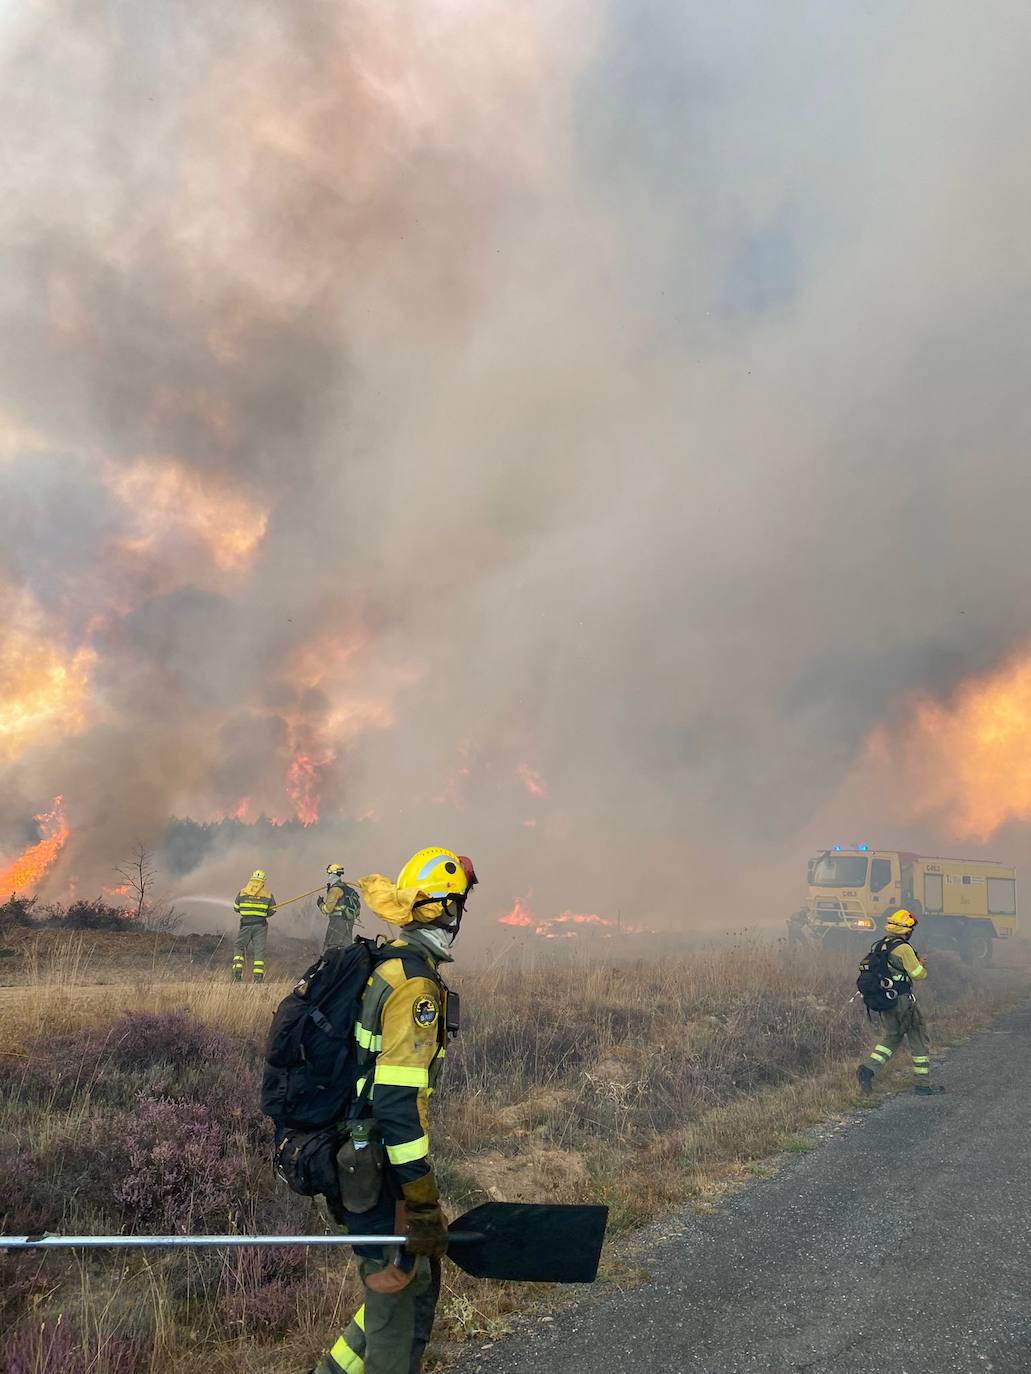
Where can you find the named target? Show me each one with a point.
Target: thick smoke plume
(561, 431)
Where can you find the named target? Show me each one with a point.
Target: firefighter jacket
(905, 959)
(401, 1040)
(255, 902)
(340, 900)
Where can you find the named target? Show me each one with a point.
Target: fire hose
(299, 898)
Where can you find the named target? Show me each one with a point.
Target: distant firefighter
(340, 904)
(886, 979)
(254, 905)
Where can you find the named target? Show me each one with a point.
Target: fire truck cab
(963, 905)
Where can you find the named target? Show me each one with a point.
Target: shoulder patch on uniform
(424, 1011)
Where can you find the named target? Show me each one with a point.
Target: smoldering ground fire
(564, 425)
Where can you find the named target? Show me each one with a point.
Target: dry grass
(645, 1086)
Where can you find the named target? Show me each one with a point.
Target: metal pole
(47, 1242)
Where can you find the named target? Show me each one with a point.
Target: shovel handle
(47, 1242)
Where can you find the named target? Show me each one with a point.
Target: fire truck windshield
(839, 870)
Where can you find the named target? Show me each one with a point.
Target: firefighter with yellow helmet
(904, 1021)
(401, 1032)
(254, 905)
(340, 904)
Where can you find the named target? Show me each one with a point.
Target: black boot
(865, 1075)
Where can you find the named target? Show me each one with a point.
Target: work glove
(426, 1231)
(425, 1223)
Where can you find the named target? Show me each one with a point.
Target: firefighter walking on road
(402, 1031)
(340, 905)
(254, 905)
(903, 1019)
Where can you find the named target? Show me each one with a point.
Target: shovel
(525, 1242)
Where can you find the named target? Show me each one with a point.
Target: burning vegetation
(396, 430)
(28, 870)
(522, 917)
(970, 757)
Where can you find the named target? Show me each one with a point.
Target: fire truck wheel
(977, 949)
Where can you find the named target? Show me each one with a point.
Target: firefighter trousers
(389, 1332)
(253, 935)
(904, 1022)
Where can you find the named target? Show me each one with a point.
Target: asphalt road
(901, 1244)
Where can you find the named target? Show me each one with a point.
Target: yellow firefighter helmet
(902, 921)
(258, 876)
(334, 869)
(437, 873)
(440, 876)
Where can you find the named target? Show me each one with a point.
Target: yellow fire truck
(962, 904)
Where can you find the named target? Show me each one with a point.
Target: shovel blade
(529, 1242)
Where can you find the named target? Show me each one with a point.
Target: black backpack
(311, 1066)
(879, 983)
(310, 1060)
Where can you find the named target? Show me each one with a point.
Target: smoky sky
(635, 392)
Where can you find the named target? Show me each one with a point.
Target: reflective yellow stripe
(921, 1058)
(367, 1040)
(917, 1068)
(883, 1049)
(345, 1357)
(400, 1077)
(918, 972)
(877, 1058)
(359, 1318)
(404, 1154)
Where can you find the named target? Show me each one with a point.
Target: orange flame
(522, 915)
(29, 868)
(970, 759)
(302, 785)
(580, 919)
(518, 916)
